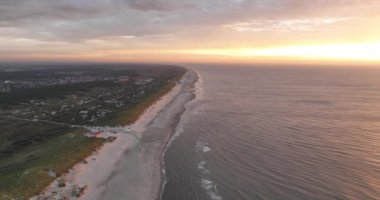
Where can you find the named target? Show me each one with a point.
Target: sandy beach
(130, 166)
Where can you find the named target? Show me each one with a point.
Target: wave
(198, 87)
(202, 147)
(179, 127)
(191, 107)
(207, 184)
(211, 189)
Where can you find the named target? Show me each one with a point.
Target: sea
(278, 133)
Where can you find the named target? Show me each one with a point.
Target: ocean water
(278, 133)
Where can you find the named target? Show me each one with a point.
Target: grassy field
(26, 172)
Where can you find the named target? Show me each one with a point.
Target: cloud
(141, 23)
(14, 11)
(158, 5)
(285, 25)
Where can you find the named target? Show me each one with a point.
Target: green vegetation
(17, 134)
(26, 172)
(55, 91)
(130, 115)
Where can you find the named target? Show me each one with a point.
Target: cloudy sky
(189, 30)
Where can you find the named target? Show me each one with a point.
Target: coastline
(135, 167)
(197, 93)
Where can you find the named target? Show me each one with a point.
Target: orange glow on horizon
(333, 53)
(358, 52)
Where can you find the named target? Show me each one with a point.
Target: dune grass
(130, 115)
(26, 173)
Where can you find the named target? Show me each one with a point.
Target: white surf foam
(202, 147)
(178, 130)
(211, 189)
(206, 183)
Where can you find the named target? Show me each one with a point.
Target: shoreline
(177, 120)
(177, 129)
(137, 153)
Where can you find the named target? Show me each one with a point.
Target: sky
(190, 30)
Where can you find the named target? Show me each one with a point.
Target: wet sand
(130, 167)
